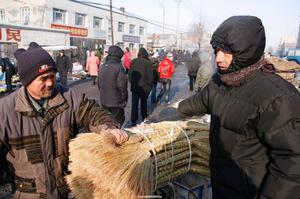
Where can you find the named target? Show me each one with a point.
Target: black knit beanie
(33, 62)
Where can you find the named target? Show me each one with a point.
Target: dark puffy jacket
(113, 80)
(255, 127)
(62, 64)
(154, 63)
(193, 64)
(140, 73)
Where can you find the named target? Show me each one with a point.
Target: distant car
(293, 55)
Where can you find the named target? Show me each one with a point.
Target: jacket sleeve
(194, 105)
(172, 68)
(98, 62)
(150, 74)
(93, 117)
(130, 71)
(68, 63)
(122, 84)
(159, 67)
(87, 64)
(279, 128)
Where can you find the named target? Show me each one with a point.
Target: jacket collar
(23, 104)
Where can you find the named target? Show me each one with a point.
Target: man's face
(223, 59)
(42, 86)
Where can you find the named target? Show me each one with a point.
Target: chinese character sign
(132, 39)
(10, 35)
(13, 34)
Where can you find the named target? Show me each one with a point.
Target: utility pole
(298, 39)
(111, 23)
(177, 25)
(164, 16)
(162, 4)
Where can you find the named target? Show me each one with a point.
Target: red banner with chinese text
(74, 31)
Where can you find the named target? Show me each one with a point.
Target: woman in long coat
(92, 66)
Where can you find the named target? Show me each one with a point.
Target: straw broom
(100, 169)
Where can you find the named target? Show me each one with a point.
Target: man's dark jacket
(140, 73)
(193, 64)
(113, 80)
(255, 127)
(62, 64)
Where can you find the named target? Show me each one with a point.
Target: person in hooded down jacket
(193, 66)
(255, 117)
(141, 79)
(112, 84)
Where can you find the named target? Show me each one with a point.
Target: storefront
(9, 38)
(13, 37)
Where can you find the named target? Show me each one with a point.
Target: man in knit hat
(38, 121)
(63, 65)
(255, 117)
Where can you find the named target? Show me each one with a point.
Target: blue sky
(280, 17)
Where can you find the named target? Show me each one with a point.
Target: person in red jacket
(165, 69)
(127, 59)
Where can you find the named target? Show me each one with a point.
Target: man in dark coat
(193, 66)
(255, 118)
(9, 70)
(63, 65)
(141, 79)
(112, 84)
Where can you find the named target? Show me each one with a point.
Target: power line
(150, 21)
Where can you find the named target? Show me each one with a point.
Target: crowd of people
(254, 130)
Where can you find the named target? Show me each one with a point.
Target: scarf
(238, 77)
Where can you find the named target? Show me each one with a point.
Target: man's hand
(120, 135)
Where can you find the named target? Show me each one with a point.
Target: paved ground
(179, 90)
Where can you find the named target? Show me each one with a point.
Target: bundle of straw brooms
(153, 156)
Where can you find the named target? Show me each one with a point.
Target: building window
(2, 15)
(59, 16)
(98, 23)
(141, 30)
(121, 26)
(24, 15)
(132, 29)
(80, 19)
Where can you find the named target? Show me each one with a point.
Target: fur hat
(33, 62)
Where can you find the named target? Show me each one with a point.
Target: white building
(88, 25)
(13, 37)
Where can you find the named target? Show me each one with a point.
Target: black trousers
(94, 78)
(192, 82)
(164, 93)
(63, 78)
(117, 112)
(136, 96)
(8, 76)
